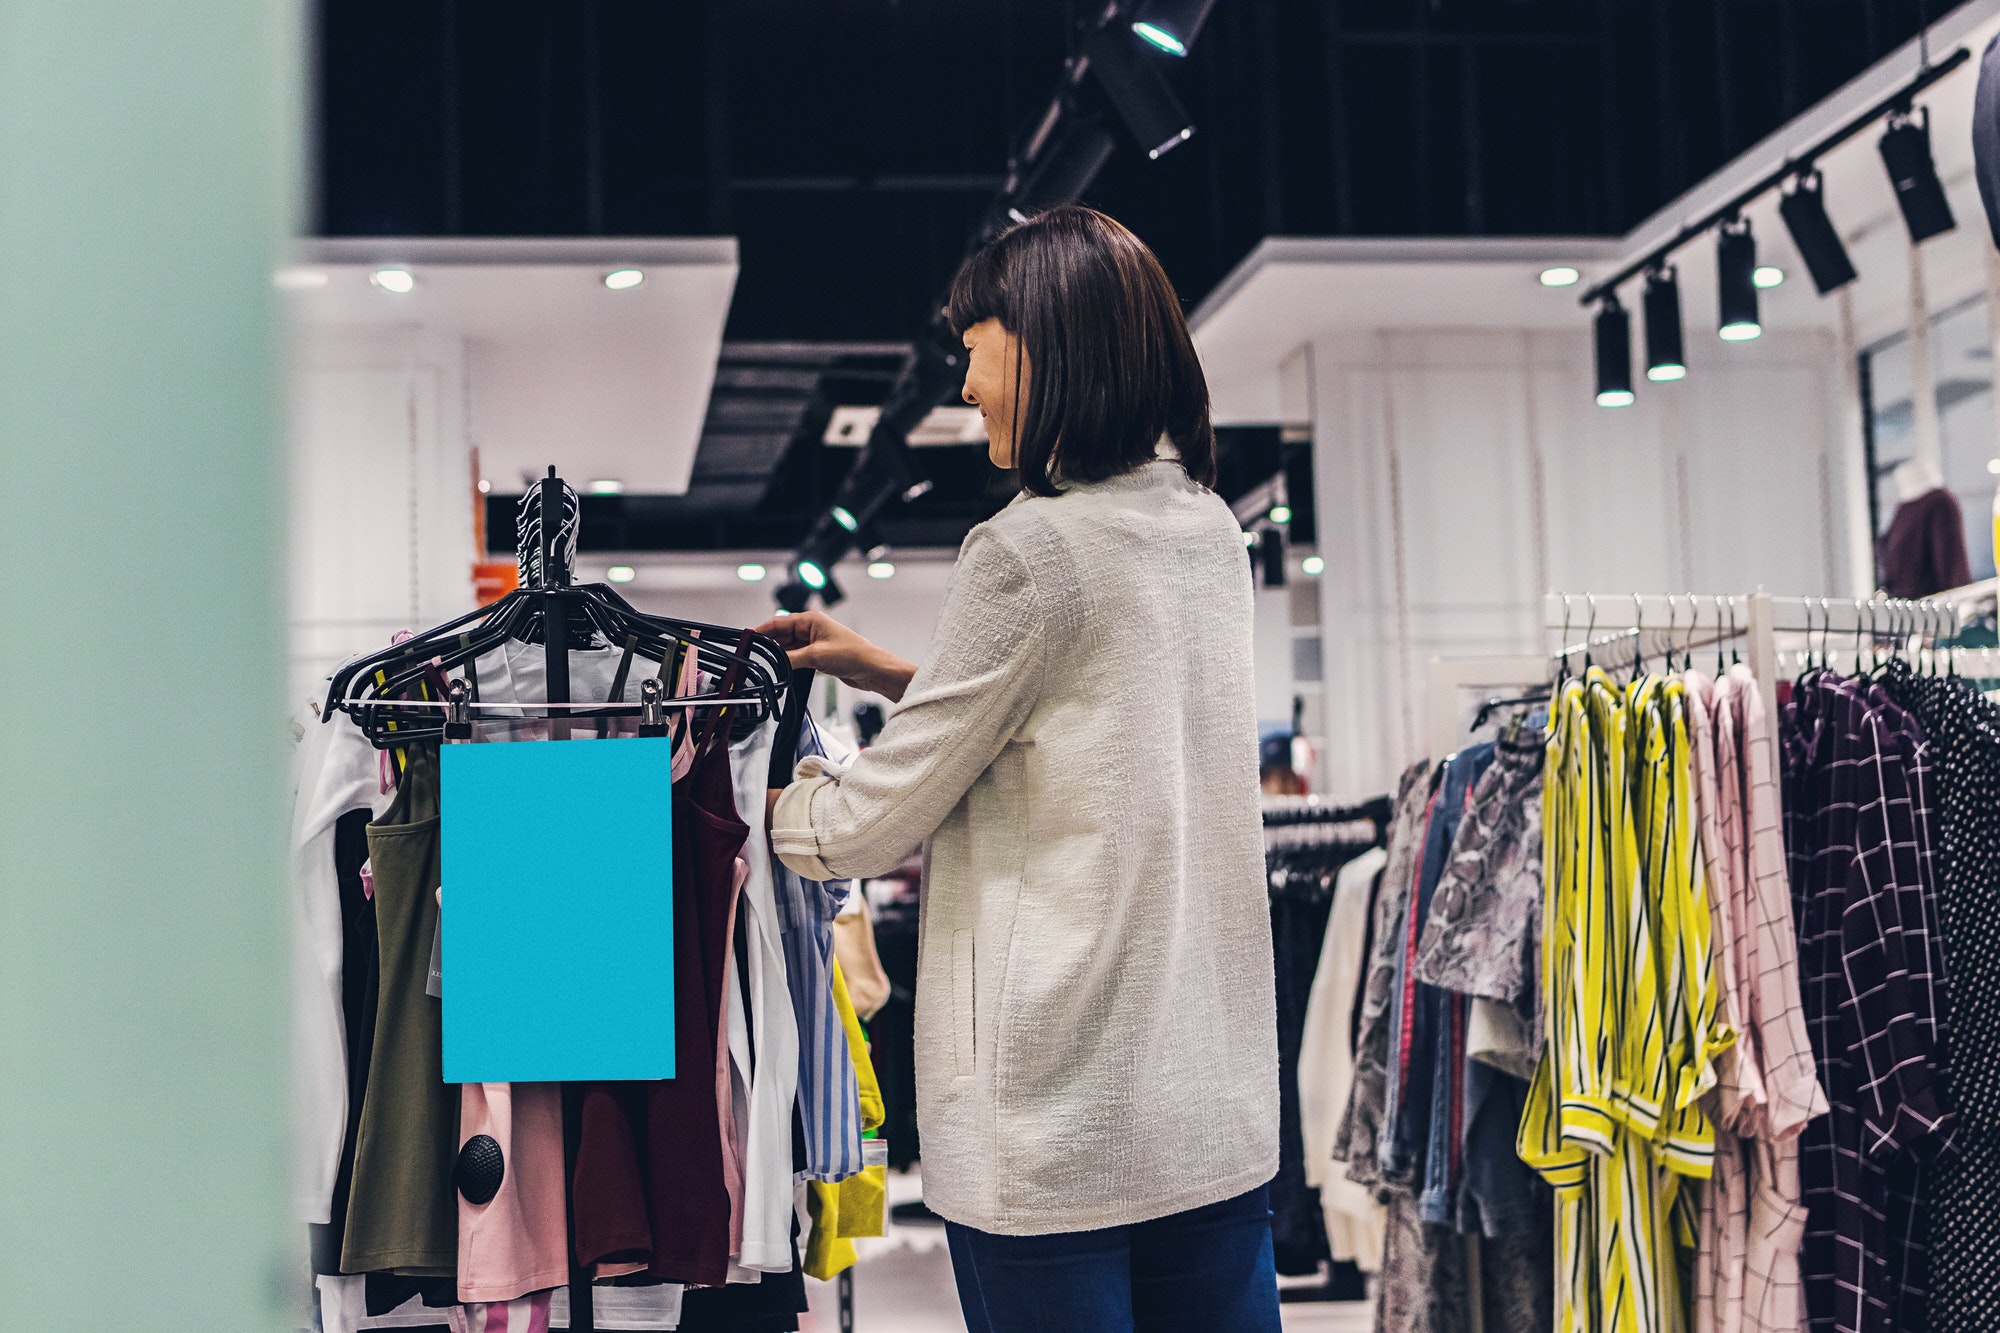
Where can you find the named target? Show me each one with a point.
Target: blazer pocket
(964, 1032)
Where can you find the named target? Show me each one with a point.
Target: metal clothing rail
(1696, 620)
(1449, 675)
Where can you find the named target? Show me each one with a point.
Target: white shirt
(1096, 1039)
(1356, 1226)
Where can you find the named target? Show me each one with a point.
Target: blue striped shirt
(829, 1096)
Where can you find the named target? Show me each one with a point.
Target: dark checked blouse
(1858, 838)
(1963, 1191)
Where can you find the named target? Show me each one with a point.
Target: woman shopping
(1096, 1045)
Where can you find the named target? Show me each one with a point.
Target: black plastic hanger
(396, 695)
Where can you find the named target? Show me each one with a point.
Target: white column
(1927, 435)
(1852, 450)
(148, 165)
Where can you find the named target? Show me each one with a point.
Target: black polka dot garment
(1962, 1190)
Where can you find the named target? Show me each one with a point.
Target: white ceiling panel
(558, 366)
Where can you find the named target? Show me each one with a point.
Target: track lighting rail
(1793, 165)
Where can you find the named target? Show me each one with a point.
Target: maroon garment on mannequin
(1923, 552)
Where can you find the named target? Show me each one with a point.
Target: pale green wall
(148, 164)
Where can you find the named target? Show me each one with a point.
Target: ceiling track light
(1271, 556)
(1665, 358)
(1906, 152)
(1736, 280)
(1067, 165)
(1803, 207)
(1171, 25)
(1614, 354)
(1137, 91)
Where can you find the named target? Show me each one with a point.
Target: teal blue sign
(557, 903)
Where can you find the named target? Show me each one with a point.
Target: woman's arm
(961, 707)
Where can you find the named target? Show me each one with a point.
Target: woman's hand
(815, 639)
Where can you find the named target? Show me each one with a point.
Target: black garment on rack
(1963, 1194)
(1858, 840)
(892, 1040)
(386, 1292)
(772, 1305)
(358, 978)
(1301, 880)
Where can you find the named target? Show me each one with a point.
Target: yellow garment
(857, 1046)
(855, 1206)
(1633, 1007)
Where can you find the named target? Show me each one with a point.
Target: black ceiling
(851, 145)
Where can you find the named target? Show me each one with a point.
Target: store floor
(903, 1284)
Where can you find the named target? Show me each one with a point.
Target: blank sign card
(558, 949)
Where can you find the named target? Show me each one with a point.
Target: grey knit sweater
(1096, 1039)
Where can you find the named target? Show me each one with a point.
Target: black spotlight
(794, 597)
(1067, 166)
(1736, 282)
(1171, 25)
(1138, 91)
(1664, 359)
(1271, 556)
(1614, 354)
(1906, 151)
(1804, 209)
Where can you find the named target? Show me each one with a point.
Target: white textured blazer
(1096, 1039)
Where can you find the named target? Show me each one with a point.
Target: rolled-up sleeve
(969, 698)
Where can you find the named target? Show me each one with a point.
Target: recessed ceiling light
(1249, 538)
(1312, 564)
(398, 280)
(607, 486)
(1281, 513)
(299, 279)
(622, 279)
(484, 486)
(1993, 466)
(621, 573)
(844, 518)
(1560, 275)
(881, 569)
(751, 573)
(1767, 276)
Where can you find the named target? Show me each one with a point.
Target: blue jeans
(1207, 1270)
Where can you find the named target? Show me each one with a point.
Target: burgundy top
(1923, 552)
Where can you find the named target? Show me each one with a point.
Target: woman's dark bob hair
(1111, 367)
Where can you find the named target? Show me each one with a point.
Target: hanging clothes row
(1320, 867)
(1741, 939)
(665, 1204)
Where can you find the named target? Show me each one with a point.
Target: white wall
(1461, 475)
(381, 495)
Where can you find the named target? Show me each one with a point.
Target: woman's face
(996, 382)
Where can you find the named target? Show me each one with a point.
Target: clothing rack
(554, 572)
(1702, 620)
(1311, 811)
(1448, 675)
